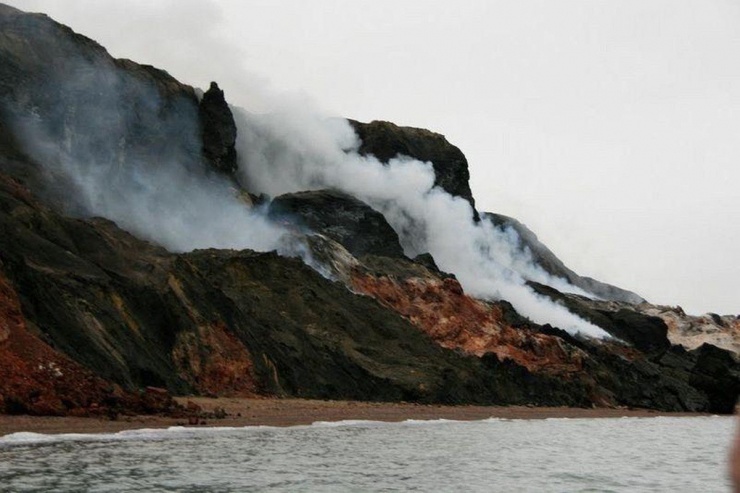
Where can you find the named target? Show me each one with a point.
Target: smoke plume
(111, 143)
(120, 146)
(297, 150)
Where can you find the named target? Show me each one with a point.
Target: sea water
(668, 454)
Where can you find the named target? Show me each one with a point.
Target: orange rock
(226, 369)
(456, 321)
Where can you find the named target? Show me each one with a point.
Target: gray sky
(609, 128)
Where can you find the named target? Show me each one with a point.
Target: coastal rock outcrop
(228, 323)
(605, 373)
(688, 370)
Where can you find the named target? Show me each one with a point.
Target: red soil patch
(36, 379)
(215, 361)
(456, 321)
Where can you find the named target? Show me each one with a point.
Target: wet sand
(290, 412)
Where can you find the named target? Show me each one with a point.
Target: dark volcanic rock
(61, 88)
(218, 130)
(350, 222)
(546, 259)
(648, 334)
(427, 260)
(139, 316)
(386, 140)
(318, 340)
(606, 373)
(36, 378)
(717, 373)
(637, 381)
(653, 373)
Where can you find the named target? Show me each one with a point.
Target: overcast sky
(610, 128)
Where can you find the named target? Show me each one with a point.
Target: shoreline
(241, 412)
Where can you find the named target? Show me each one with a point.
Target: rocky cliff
(545, 258)
(93, 312)
(385, 140)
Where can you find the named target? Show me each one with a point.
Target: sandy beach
(290, 412)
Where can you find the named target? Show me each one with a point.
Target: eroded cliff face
(63, 88)
(607, 372)
(229, 323)
(36, 378)
(700, 373)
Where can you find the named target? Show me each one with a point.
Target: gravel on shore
(290, 412)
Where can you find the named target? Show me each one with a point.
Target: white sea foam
(347, 422)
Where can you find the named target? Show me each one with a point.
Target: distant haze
(609, 128)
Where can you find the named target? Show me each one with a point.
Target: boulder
(717, 373)
(350, 222)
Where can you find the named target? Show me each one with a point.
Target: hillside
(151, 236)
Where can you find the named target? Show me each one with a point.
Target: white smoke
(166, 203)
(297, 150)
(157, 187)
(112, 144)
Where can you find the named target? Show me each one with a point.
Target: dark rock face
(36, 378)
(648, 334)
(318, 340)
(350, 222)
(218, 130)
(139, 316)
(717, 373)
(653, 371)
(60, 87)
(386, 140)
(640, 381)
(605, 373)
(544, 257)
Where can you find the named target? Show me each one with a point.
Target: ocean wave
(141, 434)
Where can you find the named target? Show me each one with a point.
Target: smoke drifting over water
(295, 150)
